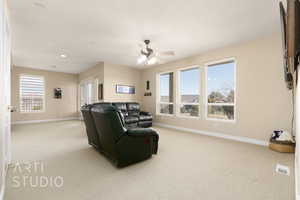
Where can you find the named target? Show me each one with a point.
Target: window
(220, 90)
(165, 101)
(189, 90)
(218, 83)
(31, 93)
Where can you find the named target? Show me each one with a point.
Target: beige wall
(55, 108)
(95, 72)
(111, 75)
(123, 75)
(263, 102)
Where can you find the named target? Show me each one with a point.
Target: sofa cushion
(145, 124)
(145, 117)
(122, 107)
(132, 125)
(133, 108)
(131, 119)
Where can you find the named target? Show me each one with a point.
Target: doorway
(88, 92)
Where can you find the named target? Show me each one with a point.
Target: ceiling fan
(149, 56)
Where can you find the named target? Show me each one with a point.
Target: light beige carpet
(188, 166)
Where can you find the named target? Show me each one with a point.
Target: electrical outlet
(282, 169)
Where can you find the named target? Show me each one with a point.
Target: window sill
(31, 112)
(221, 120)
(188, 117)
(166, 115)
(197, 118)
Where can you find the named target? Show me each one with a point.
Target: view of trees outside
(220, 112)
(167, 109)
(220, 87)
(189, 110)
(219, 97)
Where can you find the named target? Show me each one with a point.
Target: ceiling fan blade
(159, 60)
(166, 53)
(141, 44)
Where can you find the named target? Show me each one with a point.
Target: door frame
(94, 95)
(5, 98)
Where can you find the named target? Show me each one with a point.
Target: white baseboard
(214, 134)
(45, 120)
(296, 177)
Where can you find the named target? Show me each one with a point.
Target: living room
(164, 100)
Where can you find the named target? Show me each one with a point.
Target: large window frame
(179, 100)
(43, 96)
(158, 101)
(206, 66)
(203, 92)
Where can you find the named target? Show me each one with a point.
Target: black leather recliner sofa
(133, 116)
(106, 131)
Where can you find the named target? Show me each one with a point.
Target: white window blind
(32, 92)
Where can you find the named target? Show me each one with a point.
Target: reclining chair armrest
(145, 133)
(140, 132)
(131, 149)
(145, 113)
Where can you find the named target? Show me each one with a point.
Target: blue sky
(189, 81)
(164, 84)
(219, 78)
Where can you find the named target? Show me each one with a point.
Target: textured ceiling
(96, 30)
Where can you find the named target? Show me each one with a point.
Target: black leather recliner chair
(133, 116)
(93, 138)
(123, 146)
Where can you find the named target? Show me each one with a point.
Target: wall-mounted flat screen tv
(290, 27)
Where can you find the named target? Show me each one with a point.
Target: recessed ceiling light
(63, 55)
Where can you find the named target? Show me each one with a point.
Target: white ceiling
(110, 30)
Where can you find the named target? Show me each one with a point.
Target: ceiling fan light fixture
(63, 56)
(152, 61)
(142, 59)
(150, 57)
